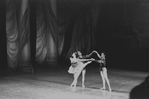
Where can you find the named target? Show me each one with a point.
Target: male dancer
(84, 69)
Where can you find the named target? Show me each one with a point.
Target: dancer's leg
(103, 80)
(106, 78)
(74, 83)
(76, 75)
(83, 77)
(84, 72)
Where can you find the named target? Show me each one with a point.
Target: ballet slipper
(110, 89)
(103, 88)
(83, 86)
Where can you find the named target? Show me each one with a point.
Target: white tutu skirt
(74, 69)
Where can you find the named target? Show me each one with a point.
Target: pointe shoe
(103, 88)
(83, 86)
(110, 89)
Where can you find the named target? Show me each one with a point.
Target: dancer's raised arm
(91, 53)
(97, 54)
(86, 56)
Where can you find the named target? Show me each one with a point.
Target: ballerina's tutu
(75, 68)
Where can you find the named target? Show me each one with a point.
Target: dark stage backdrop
(62, 27)
(50, 30)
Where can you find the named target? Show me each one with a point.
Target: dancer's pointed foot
(73, 89)
(110, 89)
(103, 88)
(83, 86)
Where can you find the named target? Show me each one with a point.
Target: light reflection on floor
(54, 84)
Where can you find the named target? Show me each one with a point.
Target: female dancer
(76, 67)
(103, 70)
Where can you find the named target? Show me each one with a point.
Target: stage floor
(53, 83)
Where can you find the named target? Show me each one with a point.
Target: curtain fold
(59, 23)
(12, 33)
(17, 29)
(47, 39)
(83, 30)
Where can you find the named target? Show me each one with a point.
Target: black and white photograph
(74, 49)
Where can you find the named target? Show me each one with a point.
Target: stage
(54, 83)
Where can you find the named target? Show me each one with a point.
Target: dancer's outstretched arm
(87, 62)
(82, 60)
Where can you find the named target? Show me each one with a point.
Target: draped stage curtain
(77, 24)
(63, 26)
(47, 37)
(17, 29)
